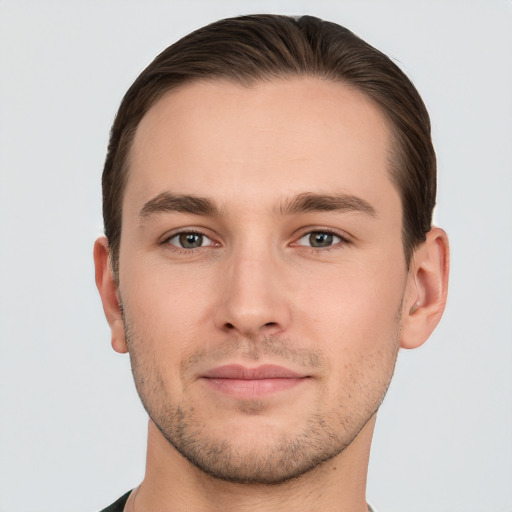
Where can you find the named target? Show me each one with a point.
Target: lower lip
(255, 388)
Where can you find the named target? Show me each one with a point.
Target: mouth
(244, 382)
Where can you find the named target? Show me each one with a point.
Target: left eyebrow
(309, 202)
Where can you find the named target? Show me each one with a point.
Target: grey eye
(190, 240)
(319, 239)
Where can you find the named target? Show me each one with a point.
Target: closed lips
(240, 372)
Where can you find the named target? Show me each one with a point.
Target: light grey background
(72, 432)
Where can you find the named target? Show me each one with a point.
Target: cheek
(355, 316)
(362, 297)
(357, 322)
(166, 307)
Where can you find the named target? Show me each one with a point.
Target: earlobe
(427, 289)
(108, 290)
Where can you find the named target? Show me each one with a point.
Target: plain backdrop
(72, 431)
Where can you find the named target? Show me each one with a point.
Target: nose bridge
(253, 299)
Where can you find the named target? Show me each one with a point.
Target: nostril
(230, 326)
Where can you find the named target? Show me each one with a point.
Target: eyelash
(343, 241)
(185, 250)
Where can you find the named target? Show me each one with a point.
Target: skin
(254, 291)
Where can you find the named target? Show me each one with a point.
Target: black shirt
(118, 506)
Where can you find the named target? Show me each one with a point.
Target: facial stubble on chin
(288, 457)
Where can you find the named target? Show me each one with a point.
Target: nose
(253, 295)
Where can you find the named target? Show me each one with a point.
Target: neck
(172, 483)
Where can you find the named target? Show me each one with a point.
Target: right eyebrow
(168, 203)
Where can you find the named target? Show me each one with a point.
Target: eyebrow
(307, 202)
(168, 203)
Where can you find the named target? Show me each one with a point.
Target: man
(267, 196)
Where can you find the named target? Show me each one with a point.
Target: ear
(109, 292)
(427, 289)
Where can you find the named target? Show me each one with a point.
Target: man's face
(262, 272)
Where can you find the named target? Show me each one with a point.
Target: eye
(319, 239)
(190, 240)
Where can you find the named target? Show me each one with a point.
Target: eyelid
(204, 239)
(166, 239)
(344, 239)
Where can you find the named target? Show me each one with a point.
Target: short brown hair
(253, 48)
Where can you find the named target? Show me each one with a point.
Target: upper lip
(237, 371)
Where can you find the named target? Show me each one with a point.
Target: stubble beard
(323, 436)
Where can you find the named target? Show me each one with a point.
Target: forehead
(268, 140)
